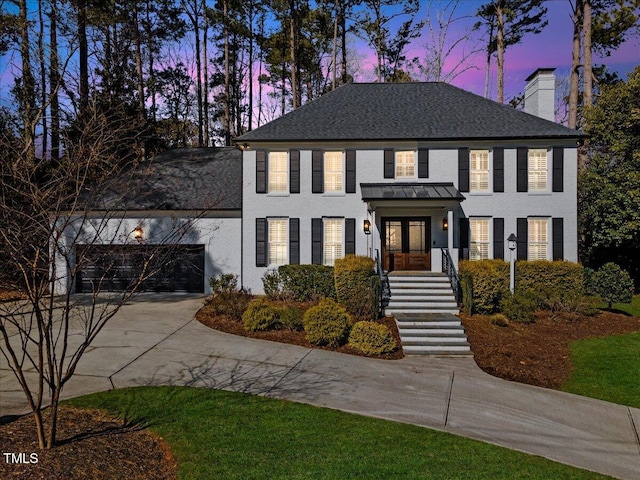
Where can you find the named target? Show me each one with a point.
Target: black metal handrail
(449, 268)
(385, 291)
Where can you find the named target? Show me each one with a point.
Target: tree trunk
(54, 81)
(43, 79)
(251, 19)
(83, 52)
(293, 24)
(227, 95)
(205, 71)
(575, 65)
(488, 72)
(28, 86)
(151, 85)
(586, 38)
(500, 49)
(343, 38)
(334, 55)
(261, 54)
(139, 74)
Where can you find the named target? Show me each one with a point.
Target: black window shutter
(294, 171)
(423, 163)
(522, 232)
(558, 169)
(317, 172)
(316, 240)
(294, 241)
(498, 170)
(463, 169)
(261, 242)
(261, 171)
(498, 238)
(464, 239)
(350, 184)
(523, 170)
(389, 163)
(349, 236)
(557, 227)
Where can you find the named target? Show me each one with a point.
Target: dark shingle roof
(403, 111)
(409, 191)
(179, 179)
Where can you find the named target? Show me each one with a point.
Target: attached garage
(163, 268)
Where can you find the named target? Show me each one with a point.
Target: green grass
(217, 434)
(607, 368)
(632, 308)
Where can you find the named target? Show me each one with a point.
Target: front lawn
(218, 434)
(632, 308)
(607, 368)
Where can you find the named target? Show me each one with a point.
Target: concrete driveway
(154, 340)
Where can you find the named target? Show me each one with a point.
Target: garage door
(169, 268)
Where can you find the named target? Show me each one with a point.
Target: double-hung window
(278, 172)
(405, 164)
(333, 172)
(479, 241)
(537, 243)
(537, 161)
(278, 241)
(333, 240)
(479, 170)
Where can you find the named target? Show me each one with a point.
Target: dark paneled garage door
(168, 268)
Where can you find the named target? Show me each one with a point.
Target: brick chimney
(540, 93)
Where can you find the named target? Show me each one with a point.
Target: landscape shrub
(521, 306)
(291, 317)
(230, 304)
(261, 315)
(327, 323)
(225, 283)
(300, 283)
(499, 320)
(557, 283)
(486, 282)
(354, 287)
(372, 338)
(611, 283)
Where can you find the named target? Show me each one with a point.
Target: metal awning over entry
(376, 194)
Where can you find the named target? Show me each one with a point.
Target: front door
(406, 243)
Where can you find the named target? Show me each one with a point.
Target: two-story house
(405, 172)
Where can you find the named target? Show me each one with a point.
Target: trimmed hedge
(261, 315)
(327, 323)
(555, 280)
(355, 288)
(372, 338)
(300, 283)
(484, 284)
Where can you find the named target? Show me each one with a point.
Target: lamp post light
(513, 243)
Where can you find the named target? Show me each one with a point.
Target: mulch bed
(91, 445)
(538, 353)
(231, 325)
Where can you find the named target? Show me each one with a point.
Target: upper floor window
(479, 241)
(278, 168)
(537, 243)
(537, 162)
(479, 170)
(405, 164)
(333, 240)
(333, 172)
(278, 241)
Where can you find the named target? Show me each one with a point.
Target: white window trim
(325, 243)
(270, 163)
(342, 173)
(489, 242)
(530, 185)
(547, 243)
(489, 188)
(396, 163)
(283, 242)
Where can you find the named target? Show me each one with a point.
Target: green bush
(261, 315)
(520, 307)
(354, 287)
(557, 283)
(230, 304)
(499, 320)
(300, 283)
(327, 323)
(486, 282)
(611, 283)
(372, 338)
(291, 317)
(225, 283)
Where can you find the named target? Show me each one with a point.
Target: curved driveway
(155, 340)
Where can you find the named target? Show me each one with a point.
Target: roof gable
(405, 111)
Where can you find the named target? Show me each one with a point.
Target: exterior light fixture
(138, 233)
(512, 239)
(366, 226)
(445, 224)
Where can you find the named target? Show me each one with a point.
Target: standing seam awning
(409, 191)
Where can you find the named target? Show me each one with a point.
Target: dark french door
(406, 243)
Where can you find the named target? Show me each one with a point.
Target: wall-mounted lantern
(366, 226)
(138, 234)
(445, 224)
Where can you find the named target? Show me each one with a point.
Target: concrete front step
(422, 296)
(436, 350)
(432, 334)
